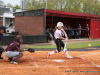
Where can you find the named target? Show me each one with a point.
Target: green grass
(71, 46)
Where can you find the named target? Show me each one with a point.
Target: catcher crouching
(14, 50)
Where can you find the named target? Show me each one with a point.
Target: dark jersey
(13, 46)
(1, 35)
(47, 33)
(87, 29)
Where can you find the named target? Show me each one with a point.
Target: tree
(79, 6)
(16, 7)
(91, 6)
(9, 5)
(33, 4)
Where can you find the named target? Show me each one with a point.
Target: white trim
(90, 54)
(35, 64)
(95, 64)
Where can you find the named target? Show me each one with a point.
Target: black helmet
(3, 28)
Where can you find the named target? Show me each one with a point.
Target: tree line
(79, 6)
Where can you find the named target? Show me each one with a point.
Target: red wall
(95, 28)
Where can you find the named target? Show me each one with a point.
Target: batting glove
(66, 38)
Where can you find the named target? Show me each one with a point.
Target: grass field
(71, 46)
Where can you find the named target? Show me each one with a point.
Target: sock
(53, 52)
(65, 50)
(67, 53)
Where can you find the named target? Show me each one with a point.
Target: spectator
(80, 30)
(55, 29)
(49, 35)
(65, 27)
(68, 32)
(72, 33)
(87, 32)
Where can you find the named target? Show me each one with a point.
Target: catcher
(14, 50)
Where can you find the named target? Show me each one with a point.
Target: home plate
(58, 60)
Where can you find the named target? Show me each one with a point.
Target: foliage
(9, 5)
(16, 7)
(79, 6)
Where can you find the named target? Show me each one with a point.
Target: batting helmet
(3, 28)
(60, 24)
(19, 39)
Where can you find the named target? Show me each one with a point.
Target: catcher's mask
(19, 39)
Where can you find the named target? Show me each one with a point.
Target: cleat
(9, 59)
(48, 54)
(69, 57)
(14, 62)
(1, 57)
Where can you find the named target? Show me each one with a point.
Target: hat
(3, 28)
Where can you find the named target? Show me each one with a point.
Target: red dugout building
(34, 22)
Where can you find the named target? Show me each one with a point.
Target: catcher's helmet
(19, 39)
(60, 24)
(3, 28)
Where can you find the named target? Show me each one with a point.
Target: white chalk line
(59, 66)
(35, 64)
(81, 57)
(77, 56)
(95, 64)
(66, 66)
(90, 54)
(53, 66)
(40, 66)
(52, 61)
(17, 67)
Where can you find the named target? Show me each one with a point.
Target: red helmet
(19, 39)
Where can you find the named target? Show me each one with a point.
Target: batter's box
(64, 64)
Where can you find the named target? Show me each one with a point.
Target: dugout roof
(70, 14)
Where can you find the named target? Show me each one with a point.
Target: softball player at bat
(14, 50)
(58, 40)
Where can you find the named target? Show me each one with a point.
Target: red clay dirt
(83, 63)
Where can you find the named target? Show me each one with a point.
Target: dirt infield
(83, 63)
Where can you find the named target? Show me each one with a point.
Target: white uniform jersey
(57, 33)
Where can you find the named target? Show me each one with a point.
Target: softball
(89, 45)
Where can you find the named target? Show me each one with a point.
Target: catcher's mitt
(31, 50)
